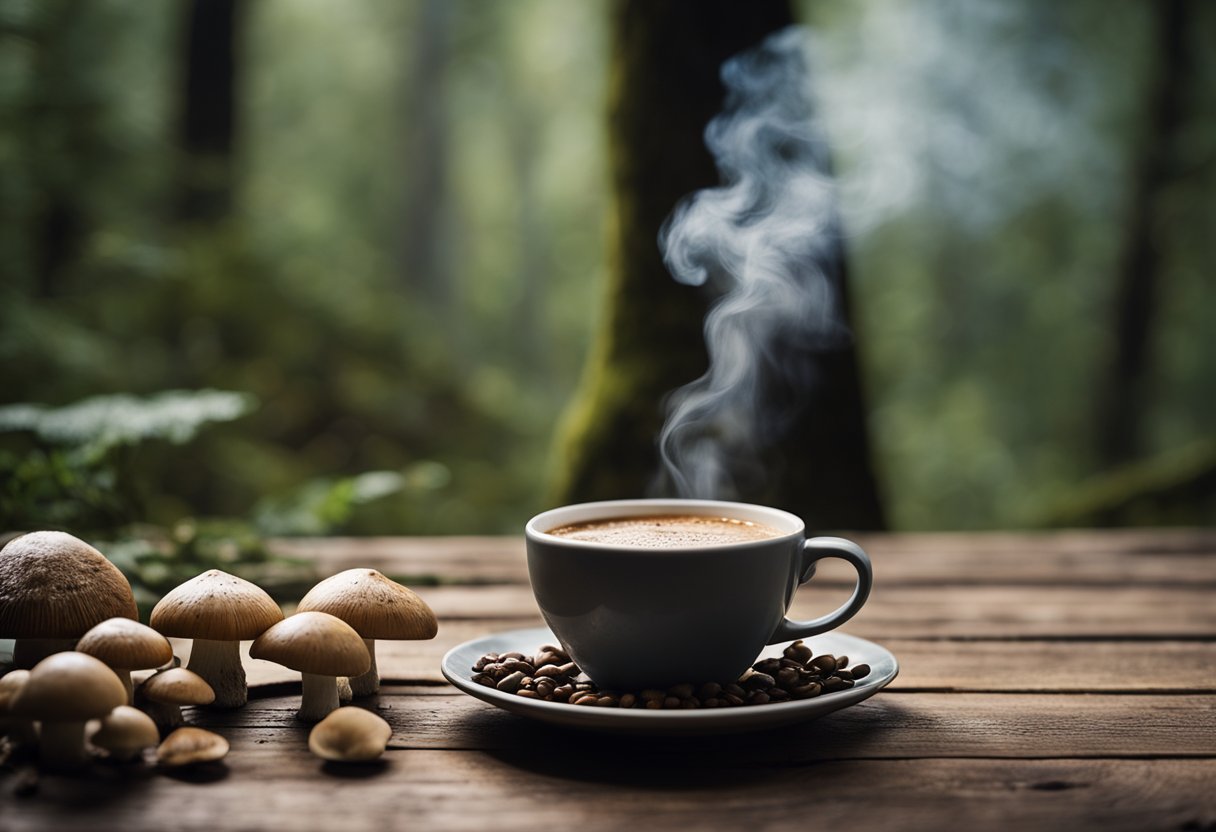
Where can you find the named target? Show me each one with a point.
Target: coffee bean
(759, 680)
(798, 652)
(787, 676)
(825, 664)
(806, 691)
(549, 675)
(511, 682)
(835, 683)
(769, 666)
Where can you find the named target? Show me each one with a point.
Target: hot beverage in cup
(652, 593)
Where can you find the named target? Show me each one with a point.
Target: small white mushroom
(189, 746)
(322, 648)
(64, 691)
(350, 735)
(125, 732)
(163, 693)
(378, 608)
(126, 645)
(19, 729)
(218, 611)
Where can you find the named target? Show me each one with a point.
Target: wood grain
(1062, 681)
(281, 786)
(1172, 557)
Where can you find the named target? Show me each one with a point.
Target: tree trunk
(1124, 392)
(422, 223)
(665, 88)
(207, 128)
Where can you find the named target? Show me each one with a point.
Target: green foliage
(71, 466)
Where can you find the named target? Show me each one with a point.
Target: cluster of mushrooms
(77, 631)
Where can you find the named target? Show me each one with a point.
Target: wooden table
(1062, 681)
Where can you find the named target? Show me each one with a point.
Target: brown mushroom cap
(69, 687)
(54, 585)
(10, 684)
(126, 731)
(350, 735)
(189, 745)
(216, 606)
(314, 642)
(177, 686)
(377, 607)
(126, 644)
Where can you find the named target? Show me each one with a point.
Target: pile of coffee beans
(550, 675)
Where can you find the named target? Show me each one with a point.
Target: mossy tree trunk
(1124, 393)
(664, 89)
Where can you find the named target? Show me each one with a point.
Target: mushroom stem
(367, 684)
(27, 652)
(124, 676)
(219, 663)
(320, 697)
(19, 731)
(166, 716)
(61, 745)
(345, 694)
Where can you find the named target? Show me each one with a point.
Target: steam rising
(767, 238)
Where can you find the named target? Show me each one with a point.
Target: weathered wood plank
(1102, 558)
(955, 665)
(528, 788)
(889, 725)
(949, 611)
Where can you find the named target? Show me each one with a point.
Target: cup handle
(814, 550)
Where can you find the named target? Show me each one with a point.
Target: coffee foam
(666, 531)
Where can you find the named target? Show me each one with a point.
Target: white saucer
(458, 663)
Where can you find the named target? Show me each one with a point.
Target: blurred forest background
(330, 267)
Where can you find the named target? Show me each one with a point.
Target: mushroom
(163, 693)
(54, 587)
(126, 645)
(322, 648)
(18, 729)
(64, 692)
(187, 746)
(378, 608)
(126, 732)
(350, 735)
(218, 611)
